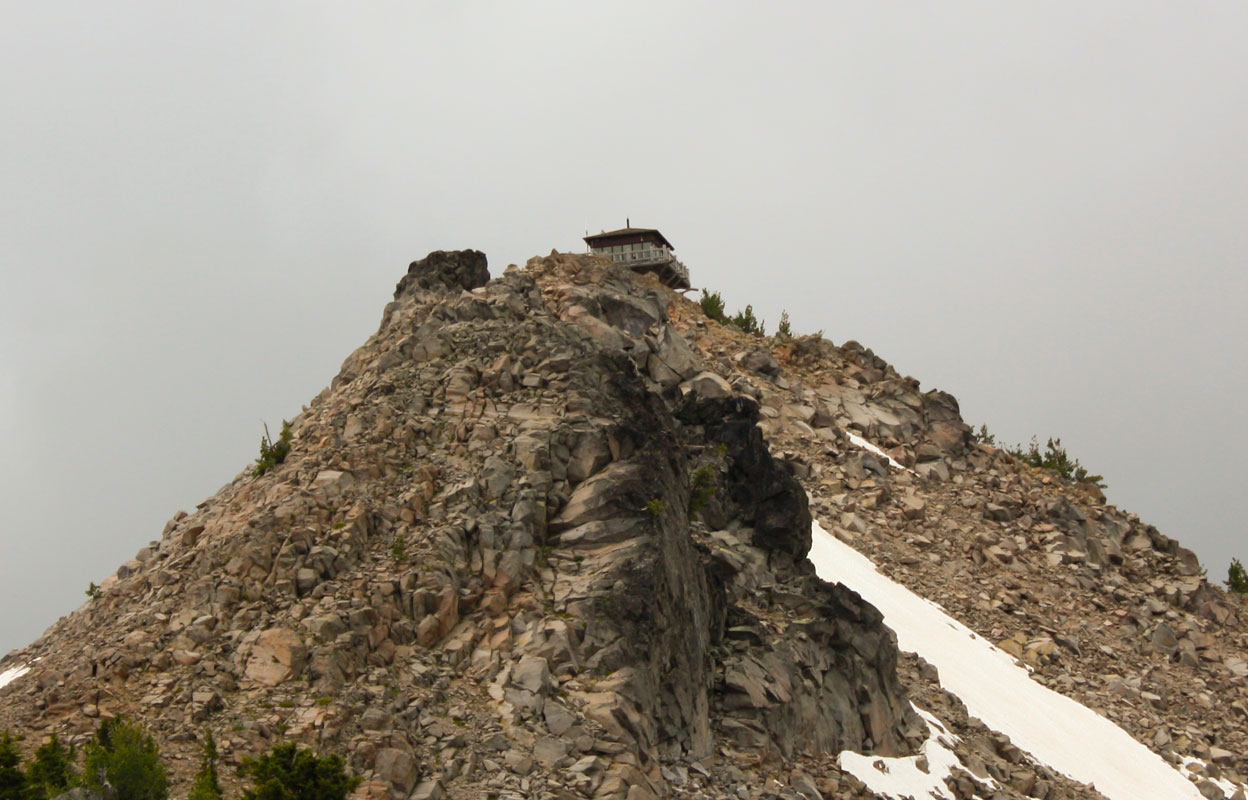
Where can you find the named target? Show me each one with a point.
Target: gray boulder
(398, 768)
(761, 361)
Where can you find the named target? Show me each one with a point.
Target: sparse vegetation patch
(1053, 456)
(273, 453)
(713, 306)
(123, 759)
(1237, 577)
(288, 772)
(701, 488)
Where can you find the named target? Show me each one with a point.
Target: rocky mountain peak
(545, 536)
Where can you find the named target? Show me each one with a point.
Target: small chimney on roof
(628, 223)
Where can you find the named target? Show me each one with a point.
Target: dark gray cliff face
(716, 623)
(806, 665)
(445, 270)
(758, 492)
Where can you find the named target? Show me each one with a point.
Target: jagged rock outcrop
(1100, 605)
(444, 270)
(545, 536)
(483, 549)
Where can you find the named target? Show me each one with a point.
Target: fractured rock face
(488, 544)
(398, 768)
(765, 497)
(444, 270)
(277, 655)
(707, 385)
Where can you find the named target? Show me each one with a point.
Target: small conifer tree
(784, 330)
(1054, 457)
(273, 453)
(207, 783)
(52, 771)
(12, 779)
(1237, 577)
(124, 758)
(983, 436)
(747, 322)
(713, 306)
(288, 772)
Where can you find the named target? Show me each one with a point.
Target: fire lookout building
(642, 250)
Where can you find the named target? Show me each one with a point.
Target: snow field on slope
(900, 778)
(12, 674)
(865, 445)
(1055, 730)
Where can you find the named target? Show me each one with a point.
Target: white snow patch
(1054, 729)
(865, 445)
(12, 674)
(901, 778)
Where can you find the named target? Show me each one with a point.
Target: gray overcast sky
(1040, 207)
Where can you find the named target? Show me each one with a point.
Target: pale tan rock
(277, 655)
(397, 768)
(371, 790)
(913, 506)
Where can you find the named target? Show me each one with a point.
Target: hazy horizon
(1043, 211)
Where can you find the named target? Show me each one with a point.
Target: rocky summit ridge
(545, 536)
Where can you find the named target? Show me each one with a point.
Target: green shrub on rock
(784, 330)
(273, 453)
(12, 779)
(713, 306)
(398, 550)
(123, 757)
(207, 783)
(1054, 457)
(1237, 577)
(288, 772)
(52, 771)
(701, 488)
(746, 322)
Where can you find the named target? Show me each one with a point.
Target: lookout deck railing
(657, 257)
